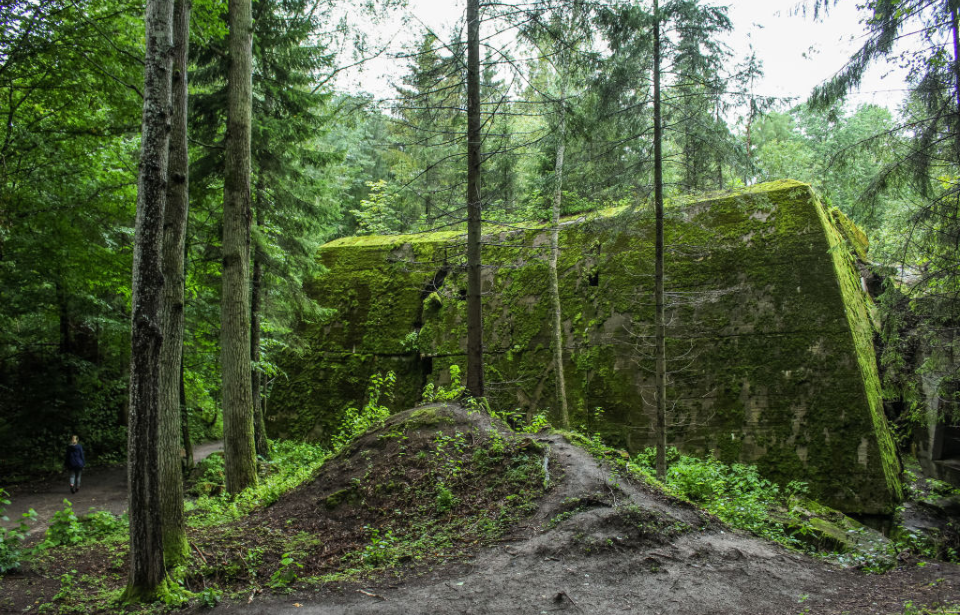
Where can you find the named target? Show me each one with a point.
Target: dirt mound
(571, 534)
(429, 484)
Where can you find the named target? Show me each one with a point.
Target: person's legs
(74, 480)
(78, 472)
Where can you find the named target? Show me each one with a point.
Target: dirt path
(103, 488)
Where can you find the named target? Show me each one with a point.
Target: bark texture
(239, 450)
(660, 350)
(187, 460)
(554, 286)
(175, 547)
(147, 572)
(256, 378)
(475, 380)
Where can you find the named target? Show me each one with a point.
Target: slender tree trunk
(554, 283)
(658, 319)
(175, 547)
(239, 448)
(955, 29)
(256, 378)
(475, 384)
(185, 425)
(147, 572)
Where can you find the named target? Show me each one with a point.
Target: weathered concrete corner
(770, 341)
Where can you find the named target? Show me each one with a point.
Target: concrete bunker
(770, 340)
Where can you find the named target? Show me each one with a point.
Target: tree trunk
(554, 283)
(259, 425)
(660, 351)
(175, 547)
(187, 461)
(239, 450)
(955, 31)
(147, 572)
(475, 384)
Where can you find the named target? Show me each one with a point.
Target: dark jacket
(74, 459)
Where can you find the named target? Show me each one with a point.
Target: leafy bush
(736, 493)
(356, 422)
(209, 597)
(453, 392)
(11, 539)
(382, 550)
(69, 529)
(446, 500)
(65, 528)
(286, 573)
(103, 525)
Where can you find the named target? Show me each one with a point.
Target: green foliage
(65, 528)
(67, 184)
(411, 343)
(66, 586)
(735, 493)
(209, 597)
(446, 500)
(291, 463)
(452, 392)
(101, 525)
(211, 474)
(382, 551)
(68, 529)
(539, 423)
(356, 422)
(286, 573)
(377, 214)
(11, 539)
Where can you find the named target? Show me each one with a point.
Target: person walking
(74, 462)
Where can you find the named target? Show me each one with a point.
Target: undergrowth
(741, 498)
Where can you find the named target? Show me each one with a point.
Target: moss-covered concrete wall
(770, 347)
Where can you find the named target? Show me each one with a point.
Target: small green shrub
(11, 539)
(287, 573)
(209, 597)
(103, 525)
(65, 528)
(453, 392)
(446, 500)
(538, 423)
(382, 550)
(67, 582)
(357, 421)
(411, 342)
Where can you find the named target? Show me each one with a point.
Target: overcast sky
(797, 52)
